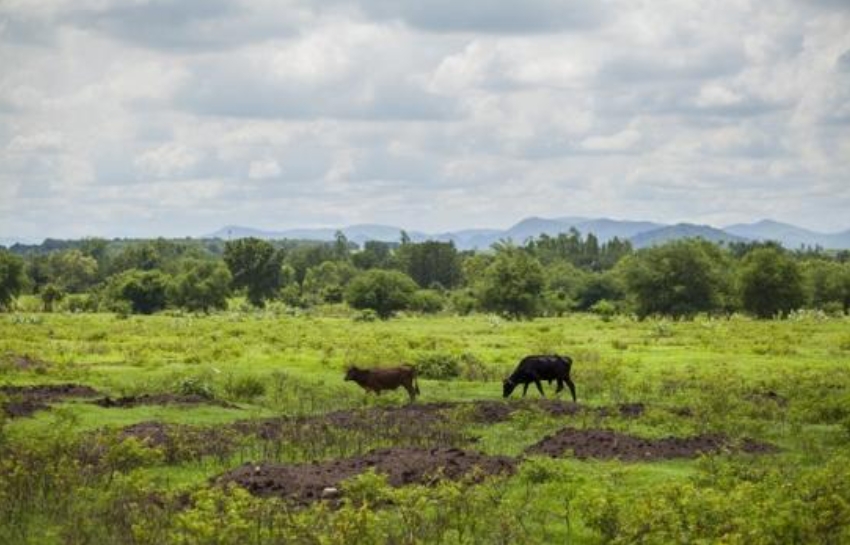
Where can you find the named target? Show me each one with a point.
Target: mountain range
(640, 233)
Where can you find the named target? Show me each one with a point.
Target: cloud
(115, 114)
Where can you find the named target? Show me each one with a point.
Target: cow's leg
(524, 389)
(410, 391)
(560, 386)
(539, 386)
(572, 388)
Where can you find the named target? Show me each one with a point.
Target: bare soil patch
(178, 442)
(159, 399)
(23, 362)
(608, 444)
(304, 483)
(25, 400)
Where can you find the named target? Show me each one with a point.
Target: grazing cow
(537, 368)
(377, 380)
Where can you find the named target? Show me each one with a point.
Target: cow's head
(508, 387)
(352, 373)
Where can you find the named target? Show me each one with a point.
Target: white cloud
(263, 168)
(433, 115)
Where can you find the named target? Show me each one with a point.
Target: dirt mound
(159, 399)
(606, 444)
(23, 362)
(181, 442)
(25, 400)
(304, 483)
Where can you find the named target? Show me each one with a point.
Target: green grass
(715, 367)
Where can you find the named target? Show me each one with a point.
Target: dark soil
(179, 442)
(768, 396)
(305, 483)
(159, 399)
(23, 362)
(25, 400)
(606, 444)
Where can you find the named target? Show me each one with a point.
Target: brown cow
(390, 378)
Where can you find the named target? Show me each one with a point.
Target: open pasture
(238, 428)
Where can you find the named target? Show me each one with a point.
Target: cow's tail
(415, 381)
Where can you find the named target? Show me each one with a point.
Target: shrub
(244, 388)
(437, 365)
(427, 301)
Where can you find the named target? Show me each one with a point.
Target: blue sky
(173, 118)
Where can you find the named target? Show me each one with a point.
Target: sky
(142, 118)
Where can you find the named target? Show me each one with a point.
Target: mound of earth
(23, 362)
(305, 483)
(177, 441)
(25, 400)
(606, 444)
(158, 399)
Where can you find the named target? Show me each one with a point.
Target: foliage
(50, 295)
(771, 283)
(439, 365)
(12, 278)
(427, 301)
(144, 291)
(680, 278)
(385, 292)
(201, 285)
(72, 271)
(431, 262)
(512, 284)
(256, 266)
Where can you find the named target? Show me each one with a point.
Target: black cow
(537, 368)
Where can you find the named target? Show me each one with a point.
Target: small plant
(196, 386)
(245, 387)
(438, 365)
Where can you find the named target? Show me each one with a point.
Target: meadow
(205, 412)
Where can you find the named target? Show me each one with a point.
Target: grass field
(783, 383)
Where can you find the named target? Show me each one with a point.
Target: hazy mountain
(605, 229)
(789, 235)
(682, 230)
(640, 233)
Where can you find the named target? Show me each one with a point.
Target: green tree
(327, 282)
(598, 287)
(143, 256)
(382, 291)
(145, 291)
(201, 285)
(432, 262)
(256, 266)
(680, 278)
(512, 284)
(12, 278)
(827, 284)
(771, 283)
(375, 255)
(73, 271)
(50, 294)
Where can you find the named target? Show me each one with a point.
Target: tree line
(548, 275)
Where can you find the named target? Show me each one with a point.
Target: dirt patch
(305, 483)
(768, 396)
(25, 400)
(178, 442)
(23, 362)
(159, 399)
(607, 444)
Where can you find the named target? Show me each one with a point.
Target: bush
(437, 365)
(244, 388)
(427, 301)
(382, 291)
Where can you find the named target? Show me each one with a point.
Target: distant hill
(640, 233)
(682, 230)
(789, 235)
